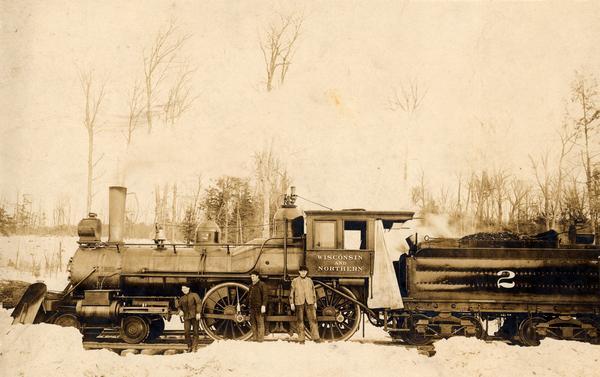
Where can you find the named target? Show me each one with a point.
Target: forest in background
(557, 188)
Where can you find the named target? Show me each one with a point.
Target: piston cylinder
(104, 312)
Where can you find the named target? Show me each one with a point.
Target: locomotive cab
(343, 243)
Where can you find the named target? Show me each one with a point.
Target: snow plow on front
(440, 288)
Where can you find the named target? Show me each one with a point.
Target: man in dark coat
(189, 306)
(257, 298)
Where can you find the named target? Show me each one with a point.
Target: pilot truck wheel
(134, 329)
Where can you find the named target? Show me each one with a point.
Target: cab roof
(391, 216)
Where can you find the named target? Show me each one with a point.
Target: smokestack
(116, 213)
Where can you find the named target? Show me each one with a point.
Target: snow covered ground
(37, 258)
(47, 350)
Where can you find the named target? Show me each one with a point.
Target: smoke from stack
(116, 213)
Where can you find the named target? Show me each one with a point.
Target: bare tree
(516, 194)
(408, 99)
(93, 98)
(444, 200)
(459, 211)
(543, 177)
(481, 190)
(135, 109)
(190, 209)
(422, 197)
(585, 94)
(180, 97)
(62, 211)
(499, 181)
(273, 182)
(157, 63)
(278, 46)
(567, 142)
(160, 204)
(573, 202)
(265, 165)
(174, 221)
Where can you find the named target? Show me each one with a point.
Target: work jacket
(258, 295)
(190, 304)
(303, 291)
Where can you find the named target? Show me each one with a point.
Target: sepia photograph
(299, 188)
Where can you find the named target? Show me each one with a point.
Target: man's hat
(303, 268)
(254, 272)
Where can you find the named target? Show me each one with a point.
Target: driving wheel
(225, 312)
(341, 313)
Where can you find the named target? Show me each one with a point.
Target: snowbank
(35, 350)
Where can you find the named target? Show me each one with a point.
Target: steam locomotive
(440, 288)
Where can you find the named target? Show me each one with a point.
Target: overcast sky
(497, 78)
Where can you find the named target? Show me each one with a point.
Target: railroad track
(173, 342)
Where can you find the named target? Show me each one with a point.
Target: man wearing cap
(189, 306)
(303, 299)
(257, 297)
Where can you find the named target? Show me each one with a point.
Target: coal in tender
(495, 236)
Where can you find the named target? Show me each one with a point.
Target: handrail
(94, 269)
(212, 244)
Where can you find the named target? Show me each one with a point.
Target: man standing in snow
(189, 306)
(257, 297)
(303, 299)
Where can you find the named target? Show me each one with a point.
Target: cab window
(325, 234)
(355, 235)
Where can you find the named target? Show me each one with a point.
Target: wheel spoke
(338, 298)
(339, 329)
(211, 299)
(330, 298)
(221, 324)
(229, 296)
(219, 293)
(237, 325)
(229, 328)
(220, 305)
